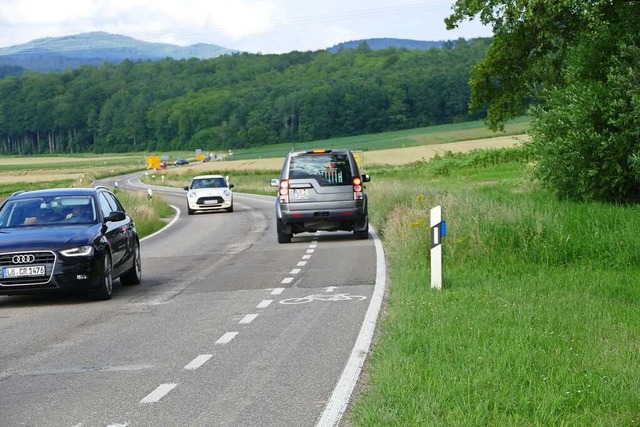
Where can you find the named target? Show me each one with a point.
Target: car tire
(134, 275)
(105, 288)
(284, 238)
(230, 208)
(362, 234)
(190, 211)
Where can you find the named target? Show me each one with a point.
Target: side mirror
(231, 185)
(366, 178)
(275, 182)
(186, 188)
(115, 216)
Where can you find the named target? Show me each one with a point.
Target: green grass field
(537, 322)
(399, 139)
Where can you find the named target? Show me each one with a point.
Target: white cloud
(268, 26)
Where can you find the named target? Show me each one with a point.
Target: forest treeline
(236, 101)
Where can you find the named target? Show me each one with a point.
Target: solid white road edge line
(342, 392)
(173, 221)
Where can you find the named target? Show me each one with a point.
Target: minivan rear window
(326, 169)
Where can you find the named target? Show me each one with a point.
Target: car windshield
(218, 182)
(50, 211)
(326, 169)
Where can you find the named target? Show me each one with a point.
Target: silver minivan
(321, 190)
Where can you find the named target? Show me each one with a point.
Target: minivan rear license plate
(300, 193)
(30, 271)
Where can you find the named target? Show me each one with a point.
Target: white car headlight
(192, 195)
(227, 193)
(79, 251)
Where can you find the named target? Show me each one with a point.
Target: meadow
(536, 324)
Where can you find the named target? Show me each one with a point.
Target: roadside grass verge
(149, 215)
(537, 320)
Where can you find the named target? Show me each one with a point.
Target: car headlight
(227, 193)
(79, 251)
(191, 194)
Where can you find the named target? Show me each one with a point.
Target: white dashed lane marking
(264, 303)
(159, 393)
(248, 319)
(226, 338)
(198, 361)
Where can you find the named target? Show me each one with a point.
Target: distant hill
(60, 53)
(385, 43)
(51, 54)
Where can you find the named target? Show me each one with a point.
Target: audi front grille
(26, 259)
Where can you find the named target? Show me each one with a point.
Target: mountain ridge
(94, 48)
(55, 54)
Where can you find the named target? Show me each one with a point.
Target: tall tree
(576, 61)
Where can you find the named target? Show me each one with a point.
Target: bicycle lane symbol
(323, 297)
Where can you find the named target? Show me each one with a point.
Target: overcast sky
(265, 26)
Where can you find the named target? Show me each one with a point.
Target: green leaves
(576, 62)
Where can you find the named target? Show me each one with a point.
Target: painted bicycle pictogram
(323, 297)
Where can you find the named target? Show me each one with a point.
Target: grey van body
(317, 191)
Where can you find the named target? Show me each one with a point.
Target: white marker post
(438, 228)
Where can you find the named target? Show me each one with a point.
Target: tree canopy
(236, 101)
(576, 64)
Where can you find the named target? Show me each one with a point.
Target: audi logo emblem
(23, 259)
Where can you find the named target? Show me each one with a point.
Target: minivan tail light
(283, 193)
(357, 188)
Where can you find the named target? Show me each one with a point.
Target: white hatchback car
(209, 193)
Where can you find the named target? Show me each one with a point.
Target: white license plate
(29, 271)
(210, 202)
(301, 193)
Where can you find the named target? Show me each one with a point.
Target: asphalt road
(228, 328)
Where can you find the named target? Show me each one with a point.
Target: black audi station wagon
(321, 190)
(67, 239)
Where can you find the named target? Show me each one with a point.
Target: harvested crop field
(82, 170)
(393, 156)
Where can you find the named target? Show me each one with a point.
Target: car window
(114, 202)
(326, 169)
(54, 210)
(209, 183)
(106, 206)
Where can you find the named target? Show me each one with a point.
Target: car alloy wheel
(134, 275)
(105, 289)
